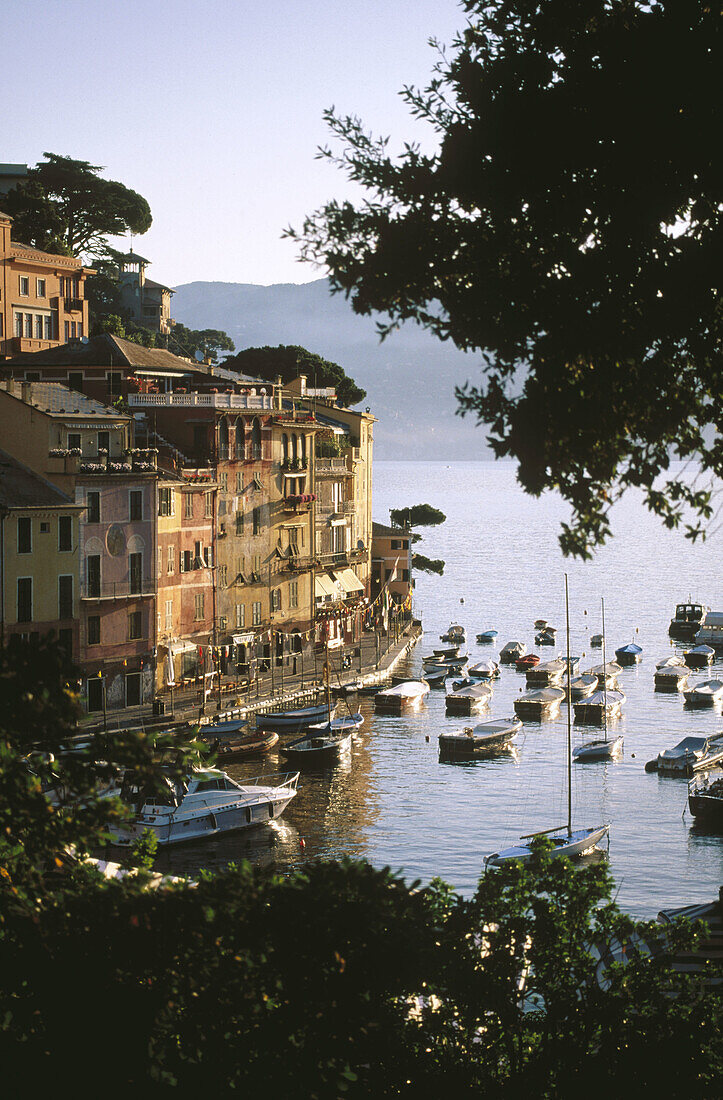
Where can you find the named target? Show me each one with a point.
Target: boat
(582, 686)
(511, 652)
(705, 694)
(671, 678)
(227, 743)
(291, 721)
(569, 842)
(400, 698)
(436, 677)
(711, 630)
(547, 636)
(598, 708)
(205, 803)
(607, 674)
(430, 661)
(690, 755)
(596, 641)
(699, 656)
(540, 624)
(447, 651)
(469, 699)
(605, 747)
(528, 660)
(486, 636)
(541, 704)
(340, 725)
(455, 634)
(484, 670)
(484, 739)
(602, 748)
(546, 673)
(318, 745)
(674, 661)
(687, 620)
(629, 654)
(705, 798)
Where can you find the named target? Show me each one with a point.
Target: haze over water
(394, 804)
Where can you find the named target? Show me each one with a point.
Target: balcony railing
(73, 305)
(201, 400)
(116, 590)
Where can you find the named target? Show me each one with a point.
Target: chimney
(302, 384)
(26, 390)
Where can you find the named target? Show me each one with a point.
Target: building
(391, 561)
(42, 297)
(143, 301)
(39, 557)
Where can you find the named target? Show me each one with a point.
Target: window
(38, 326)
(40, 288)
(48, 326)
(65, 533)
(185, 561)
(65, 641)
(44, 528)
(188, 505)
(80, 330)
(256, 612)
(135, 572)
(294, 594)
(276, 599)
(113, 381)
(24, 535)
(169, 614)
(224, 482)
(240, 615)
(256, 520)
(74, 441)
(67, 331)
(133, 689)
(24, 285)
(223, 576)
(209, 505)
(29, 324)
(239, 482)
(171, 560)
(207, 558)
(239, 523)
(92, 572)
(165, 502)
(65, 597)
(25, 599)
(18, 324)
(198, 606)
(136, 505)
(75, 380)
(94, 630)
(92, 500)
(135, 625)
(160, 560)
(103, 441)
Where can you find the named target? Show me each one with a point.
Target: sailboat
(566, 840)
(602, 748)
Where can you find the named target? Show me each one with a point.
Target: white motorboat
(705, 694)
(469, 699)
(567, 841)
(400, 698)
(690, 755)
(538, 705)
(455, 634)
(483, 739)
(603, 748)
(699, 656)
(205, 803)
(511, 652)
(671, 678)
(484, 670)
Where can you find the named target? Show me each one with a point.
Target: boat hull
(319, 750)
(292, 721)
(572, 845)
(595, 751)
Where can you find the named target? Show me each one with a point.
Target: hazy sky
(212, 110)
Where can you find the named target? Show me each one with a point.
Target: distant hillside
(409, 379)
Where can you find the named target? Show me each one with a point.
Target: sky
(213, 110)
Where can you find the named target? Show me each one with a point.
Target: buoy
(302, 843)
(633, 755)
(427, 738)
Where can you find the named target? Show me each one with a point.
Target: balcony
(73, 305)
(116, 590)
(299, 503)
(332, 467)
(251, 400)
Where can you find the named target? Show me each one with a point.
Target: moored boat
(455, 634)
(511, 652)
(605, 747)
(602, 748)
(546, 673)
(319, 745)
(483, 739)
(671, 678)
(705, 798)
(527, 660)
(486, 636)
(582, 686)
(673, 661)
(685, 624)
(340, 725)
(705, 694)
(546, 636)
(469, 699)
(699, 656)
(596, 641)
(484, 670)
(711, 630)
(400, 698)
(227, 743)
(436, 677)
(598, 708)
(690, 755)
(630, 654)
(539, 705)
(291, 721)
(607, 674)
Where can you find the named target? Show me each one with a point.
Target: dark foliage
(419, 515)
(289, 362)
(427, 565)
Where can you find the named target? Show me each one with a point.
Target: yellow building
(39, 557)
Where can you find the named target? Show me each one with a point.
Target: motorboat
(671, 678)
(598, 708)
(226, 742)
(484, 670)
(447, 651)
(205, 803)
(400, 698)
(468, 700)
(705, 797)
(319, 745)
(546, 636)
(690, 755)
(711, 630)
(540, 624)
(436, 677)
(607, 674)
(582, 686)
(596, 641)
(700, 656)
(339, 725)
(630, 654)
(705, 694)
(528, 660)
(291, 721)
(602, 748)
(539, 705)
(687, 620)
(673, 661)
(566, 841)
(455, 634)
(511, 652)
(484, 739)
(486, 637)
(546, 673)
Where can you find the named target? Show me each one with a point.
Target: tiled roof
(21, 488)
(58, 400)
(382, 530)
(103, 351)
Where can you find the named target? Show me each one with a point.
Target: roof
(381, 529)
(34, 253)
(59, 400)
(104, 351)
(158, 286)
(21, 488)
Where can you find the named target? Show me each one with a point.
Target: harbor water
(393, 803)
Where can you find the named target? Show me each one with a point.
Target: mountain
(409, 378)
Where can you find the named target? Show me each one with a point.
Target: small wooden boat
(468, 700)
(685, 624)
(539, 705)
(690, 755)
(582, 686)
(705, 798)
(699, 657)
(484, 739)
(598, 708)
(436, 677)
(228, 744)
(540, 624)
(400, 698)
(603, 748)
(674, 661)
(607, 674)
(528, 660)
(671, 678)
(455, 634)
(291, 721)
(547, 636)
(630, 654)
(339, 725)
(705, 694)
(596, 641)
(318, 747)
(447, 651)
(511, 652)
(484, 670)
(486, 637)
(546, 673)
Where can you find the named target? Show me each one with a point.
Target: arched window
(240, 437)
(294, 454)
(223, 438)
(285, 447)
(256, 438)
(303, 450)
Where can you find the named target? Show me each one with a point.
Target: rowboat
(401, 697)
(511, 652)
(630, 654)
(672, 678)
(226, 743)
(528, 660)
(289, 721)
(705, 694)
(318, 746)
(699, 657)
(484, 739)
(486, 636)
(540, 704)
(468, 700)
(484, 670)
(582, 686)
(603, 748)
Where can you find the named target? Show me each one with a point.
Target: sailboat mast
(569, 714)
(605, 676)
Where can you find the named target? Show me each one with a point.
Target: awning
(181, 646)
(324, 588)
(243, 639)
(163, 373)
(351, 582)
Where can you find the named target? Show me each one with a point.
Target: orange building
(42, 296)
